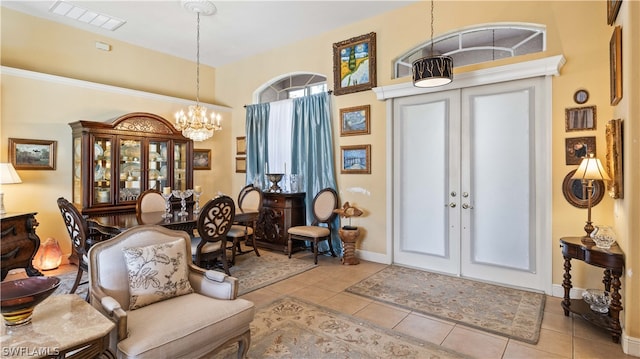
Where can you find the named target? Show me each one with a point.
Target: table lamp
(8, 175)
(590, 170)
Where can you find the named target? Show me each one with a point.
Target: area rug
(513, 313)
(257, 272)
(252, 272)
(293, 328)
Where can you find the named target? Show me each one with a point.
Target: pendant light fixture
(432, 71)
(194, 123)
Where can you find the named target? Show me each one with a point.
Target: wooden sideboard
(19, 242)
(280, 211)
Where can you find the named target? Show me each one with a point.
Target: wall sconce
(590, 170)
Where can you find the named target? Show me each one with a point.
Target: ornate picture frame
(241, 145)
(355, 121)
(580, 118)
(201, 159)
(241, 165)
(25, 154)
(578, 147)
(613, 7)
(613, 159)
(615, 65)
(354, 64)
(355, 159)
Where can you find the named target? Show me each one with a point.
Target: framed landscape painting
(354, 64)
(356, 159)
(32, 154)
(355, 121)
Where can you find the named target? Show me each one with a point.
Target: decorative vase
(603, 236)
(349, 236)
(51, 254)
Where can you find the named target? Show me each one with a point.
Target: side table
(63, 326)
(612, 260)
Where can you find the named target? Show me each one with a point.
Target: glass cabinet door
(180, 166)
(102, 170)
(130, 175)
(77, 170)
(157, 169)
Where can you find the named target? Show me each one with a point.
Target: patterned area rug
(505, 311)
(293, 328)
(252, 272)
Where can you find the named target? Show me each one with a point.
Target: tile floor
(561, 337)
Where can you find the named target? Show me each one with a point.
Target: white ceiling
(238, 29)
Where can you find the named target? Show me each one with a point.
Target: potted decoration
(349, 234)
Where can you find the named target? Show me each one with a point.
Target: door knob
(466, 206)
(452, 205)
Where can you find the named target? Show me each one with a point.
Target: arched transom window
(292, 86)
(479, 44)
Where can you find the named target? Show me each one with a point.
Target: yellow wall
(575, 29)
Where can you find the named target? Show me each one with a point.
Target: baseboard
(373, 256)
(630, 345)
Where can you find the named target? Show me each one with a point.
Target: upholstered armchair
(163, 305)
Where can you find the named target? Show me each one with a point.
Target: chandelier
(195, 123)
(432, 71)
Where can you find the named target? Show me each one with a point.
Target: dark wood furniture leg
(566, 284)
(616, 306)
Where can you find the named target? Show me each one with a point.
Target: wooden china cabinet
(116, 160)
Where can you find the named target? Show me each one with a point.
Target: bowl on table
(19, 297)
(597, 299)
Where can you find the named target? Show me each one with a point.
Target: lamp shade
(432, 71)
(591, 169)
(8, 174)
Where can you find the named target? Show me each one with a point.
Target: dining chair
(324, 204)
(150, 201)
(249, 201)
(82, 238)
(214, 221)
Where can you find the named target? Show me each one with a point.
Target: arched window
(292, 86)
(478, 44)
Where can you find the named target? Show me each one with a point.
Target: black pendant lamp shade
(432, 71)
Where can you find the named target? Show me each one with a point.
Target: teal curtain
(257, 125)
(312, 152)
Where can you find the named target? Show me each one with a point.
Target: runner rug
(501, 310)
(293, 328)
(252, 272)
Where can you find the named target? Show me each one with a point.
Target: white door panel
(465, 181)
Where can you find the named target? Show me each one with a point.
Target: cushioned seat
(163, 305)
(157, 336)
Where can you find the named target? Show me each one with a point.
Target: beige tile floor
(561, 337)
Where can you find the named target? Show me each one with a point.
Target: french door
(465, 178)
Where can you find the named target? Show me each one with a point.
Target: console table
(280, 211)
(63, 326)
(19, 242)
(612, 260)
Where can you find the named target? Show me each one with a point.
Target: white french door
(465, 179)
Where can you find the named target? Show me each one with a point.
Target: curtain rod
(329, 92)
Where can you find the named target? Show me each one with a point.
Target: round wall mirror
(574, 193)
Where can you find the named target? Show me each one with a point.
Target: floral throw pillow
(156, 272)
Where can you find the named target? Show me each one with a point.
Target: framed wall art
(580, 118)
(615, 65)
(356, 159)
(241, 145)
(613, 6)
(27, 154)
(354, 64)
(201, 159)
(241, 165)
(581, 96)
(578, 147)
(355, 121)
(613, 160)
